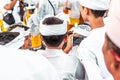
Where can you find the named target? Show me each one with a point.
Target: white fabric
(95, 4)
(31, 4)
(113, 29)
(19, 40)
(34, 19)
(114, 8)
(61, 6)
(90, 52)
(15, 11)
(57, 29)
(31, 1)
(68, 67)
(63, 16)
(46, 9)
(1, 15)
(25, 65)
(82, 29)
(75, 8)
(2, 4)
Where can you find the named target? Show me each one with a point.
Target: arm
(69, 44)
(34, 19)
(10, 5)
(41, 9)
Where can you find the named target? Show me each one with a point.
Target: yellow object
(73, 21)
(36, 41)
(3, 29)
(27, 16)
(60, 5)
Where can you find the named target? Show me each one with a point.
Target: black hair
(111, 45)
(98, 13)
(32, 10)
(53, 40)
(52, 20)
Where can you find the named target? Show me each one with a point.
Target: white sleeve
(42, 8)
(80, 71)
(91, 68)
(34, 19)
(89, 60)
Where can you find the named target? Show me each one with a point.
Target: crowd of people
(65, 40)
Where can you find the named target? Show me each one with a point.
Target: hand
(69, 44)
(27, 43)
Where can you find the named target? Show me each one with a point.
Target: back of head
(113, 29)
(52, 21)
(111, 48)
(97, 7)
(95, 4)
(53, 31)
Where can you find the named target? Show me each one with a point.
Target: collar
(97, 30)
(53, 53)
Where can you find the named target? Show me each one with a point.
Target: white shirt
(15, 10)
(68, 67)
(90, 52)
(61, 5)
(75, 8)
(46, 9)
(2, 4)
(43, 10)
(25, 65)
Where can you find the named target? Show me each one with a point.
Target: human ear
(117, 58)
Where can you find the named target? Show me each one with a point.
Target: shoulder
(71, 59)
(25, 65)
(95, 37)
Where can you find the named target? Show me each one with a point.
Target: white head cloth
(82, 30)
(95, 4)
(30, 6)
(55, 29)
(113, 30)
(114, 8)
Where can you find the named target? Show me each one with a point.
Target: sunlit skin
(112, 64)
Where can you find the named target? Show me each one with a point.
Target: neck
(96, 22)
(50, 47)
(116, 72)
(117, 76)
(57, 47)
